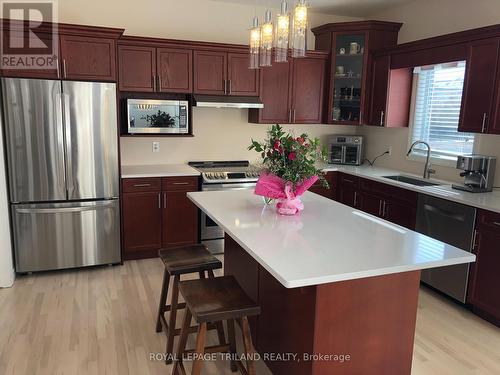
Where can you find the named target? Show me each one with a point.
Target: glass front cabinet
(351, 45)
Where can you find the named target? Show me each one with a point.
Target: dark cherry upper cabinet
(210, 72)
(275, 90)
(390, 94)
(477, 111)
(292, 92)
(307, 90)
(485, 278)
(350, 74)
(495, 124)
(175, 70)
(142, 223)
(24, 38)
(136, 68)
(241, 79)
(88, 58)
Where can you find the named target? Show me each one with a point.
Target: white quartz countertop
(488, 201)
(163, 170)
(327, 242)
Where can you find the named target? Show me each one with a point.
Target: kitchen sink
(411, 180)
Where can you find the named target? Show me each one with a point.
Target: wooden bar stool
(180, 261)
(215, 300)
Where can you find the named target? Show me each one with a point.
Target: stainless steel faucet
(427, 169)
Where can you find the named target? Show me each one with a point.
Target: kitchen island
(338, 288)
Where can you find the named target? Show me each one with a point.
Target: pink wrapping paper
(274, 187)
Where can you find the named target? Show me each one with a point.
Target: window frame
(421, 156)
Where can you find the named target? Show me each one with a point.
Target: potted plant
(290, 168)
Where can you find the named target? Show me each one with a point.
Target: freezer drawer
(53, 236)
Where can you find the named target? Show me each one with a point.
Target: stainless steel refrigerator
(62, 161)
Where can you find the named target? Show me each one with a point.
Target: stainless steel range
(222, 175)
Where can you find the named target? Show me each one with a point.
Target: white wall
(6, 266)
(423, 19)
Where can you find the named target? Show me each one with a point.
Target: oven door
(211, 234)
(336, 154)
(352, 155)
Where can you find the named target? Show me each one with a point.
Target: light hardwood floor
(101, 321)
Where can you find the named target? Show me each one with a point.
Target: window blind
(438, 95)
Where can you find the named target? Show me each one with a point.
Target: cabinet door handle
(225, 86)
(180, 183)
(64, 68)
(483, 125)
(289, 115)
(380, 208)
(381, 118)
(355, 198)
(385, 211)
(153, 81)
(229, 90)
(159, 82)
(294, 115)
(159, 200)
(474, 241)
(164, 200)
(141, 185)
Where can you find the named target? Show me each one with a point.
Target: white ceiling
(355, 8)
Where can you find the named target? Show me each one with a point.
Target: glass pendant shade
(266, 40)
(299, 29)
(254, 44)
(282, 34)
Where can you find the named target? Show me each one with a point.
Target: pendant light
(254, 44)
(266, 40)
(282, 34)
(299, 29)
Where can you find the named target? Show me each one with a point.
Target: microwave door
(91, 143)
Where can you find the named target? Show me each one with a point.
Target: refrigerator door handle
(60, 137)
(79, 208)
(70, 185)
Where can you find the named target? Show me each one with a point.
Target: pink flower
(276, 144)
(301, 140)
(292, 156)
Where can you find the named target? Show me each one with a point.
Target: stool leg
(232, 344)
(220, 328)
(163, 299)
(172, 319)
(186, 323)
(200, 349)
(247, 343)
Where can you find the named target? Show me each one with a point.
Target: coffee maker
(478, 171)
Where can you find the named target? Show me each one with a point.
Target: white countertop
(488, 201)
(164, 170)
(327, 242)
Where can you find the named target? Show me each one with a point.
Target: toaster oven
(346, 149)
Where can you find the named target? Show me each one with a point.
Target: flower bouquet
(289, 168)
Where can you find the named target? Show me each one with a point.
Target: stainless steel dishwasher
(452, 223)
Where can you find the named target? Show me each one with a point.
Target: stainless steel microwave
(157, 116)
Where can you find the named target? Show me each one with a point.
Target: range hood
(219, 101)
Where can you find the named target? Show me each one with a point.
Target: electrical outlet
(390, 150)
(156, 146)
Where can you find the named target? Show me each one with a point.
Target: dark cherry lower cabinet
(157, 214)
(331, 190)
(388, 202)
(484, 282)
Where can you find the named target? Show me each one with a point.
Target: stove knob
(221, 175)
(210, 175)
